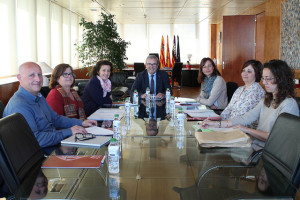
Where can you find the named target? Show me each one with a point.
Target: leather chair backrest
(282, 148)
(19, 150)
(231, 88)
(2, 106)
(177, 68)
(138, 67)
(298, 101)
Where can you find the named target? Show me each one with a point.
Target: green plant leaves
(101, 41)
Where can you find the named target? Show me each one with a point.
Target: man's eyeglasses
(82, 137)
(268, 80)
(151, 64)
(66, 75)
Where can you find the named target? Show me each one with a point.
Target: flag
(174, 51)
(168, 60)
(162, 53)
(178, 50)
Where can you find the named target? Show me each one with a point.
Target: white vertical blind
(26, 31)
(56, 35)
(43, 31)
(8, 52)
(66, 36)
(74, 39)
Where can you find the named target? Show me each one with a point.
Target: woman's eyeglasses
(268, 80)
(66, 75)
(82, 137)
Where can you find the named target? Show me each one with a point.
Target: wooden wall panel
(260, 37)
(7, 90)
(213, 40)
(272, 30)
(219, 47)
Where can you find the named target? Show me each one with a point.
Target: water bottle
(114, 186)
(113, 156)
(172, 106)
(117, 127)
(180, 118)
(135, 97)
(147, 94)
(127, 106)
(168, 95)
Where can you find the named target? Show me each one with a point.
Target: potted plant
(100, 41)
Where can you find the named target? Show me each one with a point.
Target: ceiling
(159, 11)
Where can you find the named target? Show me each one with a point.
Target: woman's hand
(241, 127)
(208, 123)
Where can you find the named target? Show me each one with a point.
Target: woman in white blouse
(246, 97)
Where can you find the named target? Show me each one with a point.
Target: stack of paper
(202, 114)
(97, 142)
(99, 131)
(106, 114)
(223, 138)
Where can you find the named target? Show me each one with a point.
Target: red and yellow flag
(162, 53)
(168, 60)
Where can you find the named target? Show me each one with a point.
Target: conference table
(160, 162)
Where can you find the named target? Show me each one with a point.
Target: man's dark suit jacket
(142, 82)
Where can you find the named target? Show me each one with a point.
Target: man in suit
(152, 77)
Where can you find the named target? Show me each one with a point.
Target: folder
(73, 161)
(96, 142)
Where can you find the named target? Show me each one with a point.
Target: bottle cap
(116, 115)
(179, 108)
(113, 140)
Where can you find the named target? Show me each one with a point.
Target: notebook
(73, 161)
(106, 114)
(97, 142)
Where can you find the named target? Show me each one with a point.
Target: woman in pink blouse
(246, 97)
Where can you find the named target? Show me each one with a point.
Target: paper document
(223, 138)
(201, 113)
(97, 142)
(99, 131)
(106, 114)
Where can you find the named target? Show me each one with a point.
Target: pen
(103, 160)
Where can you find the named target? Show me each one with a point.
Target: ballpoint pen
(103, 160)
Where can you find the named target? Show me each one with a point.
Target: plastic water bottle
(172, 106)
(180, 118)
(117, 127)
(147, 94)
(113, 156)
(114, 186)
(168, 95)
(135, 97)
(127, 106)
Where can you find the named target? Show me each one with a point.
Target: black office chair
(2, 106)
(176, 73)
(281, 149)
(231, 88)
(138, 67)
(19, 149)
(298, 101)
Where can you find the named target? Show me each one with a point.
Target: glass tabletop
(159, 161)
